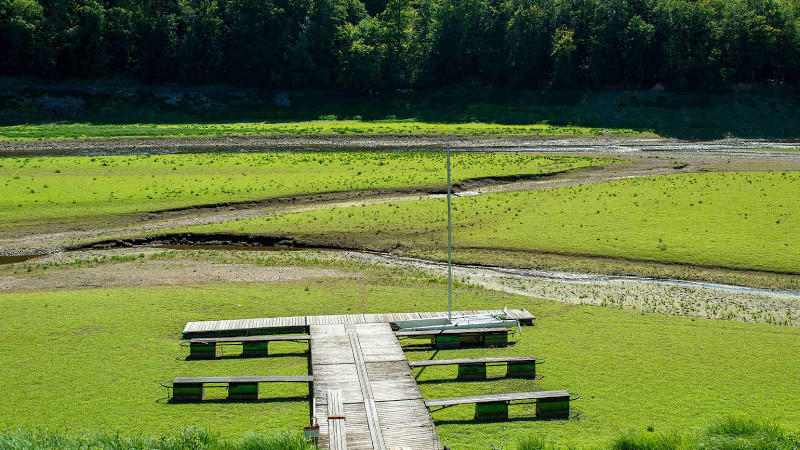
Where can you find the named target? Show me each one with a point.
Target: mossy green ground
(732, 220)
(381, 127)
(33, 190)
(92, 360)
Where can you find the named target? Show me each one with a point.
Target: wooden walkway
(299, 324)
(382, 404)
(357, 361)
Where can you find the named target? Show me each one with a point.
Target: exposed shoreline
(288, 142)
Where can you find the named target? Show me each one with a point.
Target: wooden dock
(382, 404)
(363, 395)
(300, 324)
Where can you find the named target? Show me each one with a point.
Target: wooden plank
(337, 376)
(337, 430)
(248, 379)
(242, 326)
(408, 425)
(452, 331)
(488, 360)
(538, 395)
(374, 377)
(392, 381)
(261, 338)
(358, 437)
(373, 422)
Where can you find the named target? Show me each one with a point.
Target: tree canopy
(378, 45)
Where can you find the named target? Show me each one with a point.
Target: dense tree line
(374, 45)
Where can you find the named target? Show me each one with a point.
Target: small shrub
(539, 443)
(747, 434)
(647, 441)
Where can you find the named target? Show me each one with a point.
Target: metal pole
(449, 247)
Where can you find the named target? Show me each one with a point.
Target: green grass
(43, 189)
(732, 433)
(190, 438)
(728, 434)
(730, 220)
(92, 359)
(314, 127)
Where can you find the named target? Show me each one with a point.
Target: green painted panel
(471, 339)
(243, 391)
(447, 341)
(491, 411)
(472, 371)
(496, 340)
(558, 409)
(255, 348)
(243, 388)
(521, 370)
(548, 406)
(187, 392)
(202, 350)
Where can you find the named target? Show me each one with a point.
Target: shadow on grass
(456, 380)
(510, 419)
(428, 347)
(239, 356)
(214, 401)
(763, 113)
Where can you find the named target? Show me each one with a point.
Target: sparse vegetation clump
(731, 433)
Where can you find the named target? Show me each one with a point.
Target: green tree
(156, 48)
(563, 51)
(201, 47)
(328, 36)
(638, 48)
(85, 45)
(360, 64)
(117, 39)
(395, 41)
(528, 46)
(28, 52)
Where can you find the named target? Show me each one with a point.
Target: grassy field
(321, 127)
(79, 360)
(34, 190)
(731, 220)
(194, 438)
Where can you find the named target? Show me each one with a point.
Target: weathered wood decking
(357, 360)
(300, 324)
(382, 404)
(242, 339)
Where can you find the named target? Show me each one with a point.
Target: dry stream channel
(660, 157)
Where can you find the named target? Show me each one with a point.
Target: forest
(389, 45)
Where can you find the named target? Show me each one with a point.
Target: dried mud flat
(202, 267)
(143, 272)
(601, 143)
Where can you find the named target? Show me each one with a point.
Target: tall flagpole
(449, 247)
